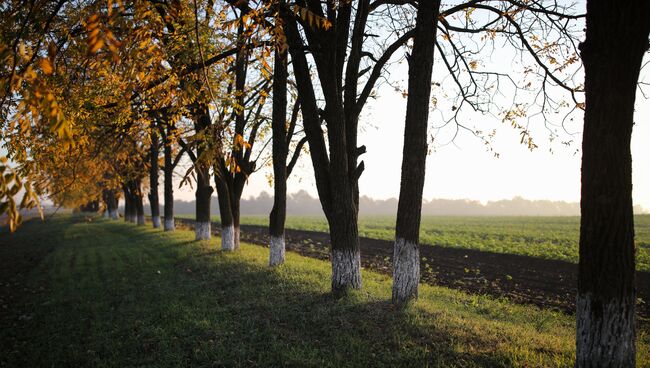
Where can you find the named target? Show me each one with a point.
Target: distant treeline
(302, 204)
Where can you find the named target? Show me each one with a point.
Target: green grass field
(545, 237)
(107, 294)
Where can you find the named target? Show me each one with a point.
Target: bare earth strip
(522, 279)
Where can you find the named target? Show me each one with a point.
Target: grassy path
(107, 294)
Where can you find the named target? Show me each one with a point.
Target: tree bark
(111, 204)
(202, 228)
(153, 179)
(169, 180)
(105, 214)
(136, 191)
(239, 178)
(616, 40)
(129, 205)
(406, 255)
(234, 203)
(278, 125)
(346, 254)
(221, 176)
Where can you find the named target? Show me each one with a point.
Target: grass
(107, 294)
(543, 237)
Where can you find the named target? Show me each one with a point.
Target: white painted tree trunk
(130, 218)
(156, 222)
(228, 238)
(346, 269)
(140, 219)
(114, 215)
(406, 271)
(170, 224)
(235, 239)
(202, 230)
(106, 215)
(277, 250)
(604, 335)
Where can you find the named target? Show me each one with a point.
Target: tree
(110, 198)
(616, 41)
(234, 166)
(241, 122)
(188, 39)
(406, 255)
(64, 69)
(541, 32)
(168, 131)
(328, 33)
(202, 122)
(153, 176)
(135, 189)
(282, 135)
(336, 166)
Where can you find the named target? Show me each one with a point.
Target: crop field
(543, 237)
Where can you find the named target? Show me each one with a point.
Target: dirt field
(527, 280)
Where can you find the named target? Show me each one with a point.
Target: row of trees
(93, 91)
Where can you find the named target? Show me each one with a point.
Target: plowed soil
(521, 279)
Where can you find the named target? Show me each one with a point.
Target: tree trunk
(136, 191)
(238, 179)
(111, 204)
(169, 181)
(279, 212)
(153, 179)
(105, 200)
(129, 209)
(225, 209)
(335, 179)
(342, 217)
(114, 213)
(616, 40)
(406, 255)
(203, 197)
(234, 206)
(202, 228)
(346, 255)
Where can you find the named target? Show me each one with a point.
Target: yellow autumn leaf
(96, 46)
(22, 51)
(46, 66)
(93, 34)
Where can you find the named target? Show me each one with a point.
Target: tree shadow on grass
(217, 309)
(185, 304)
